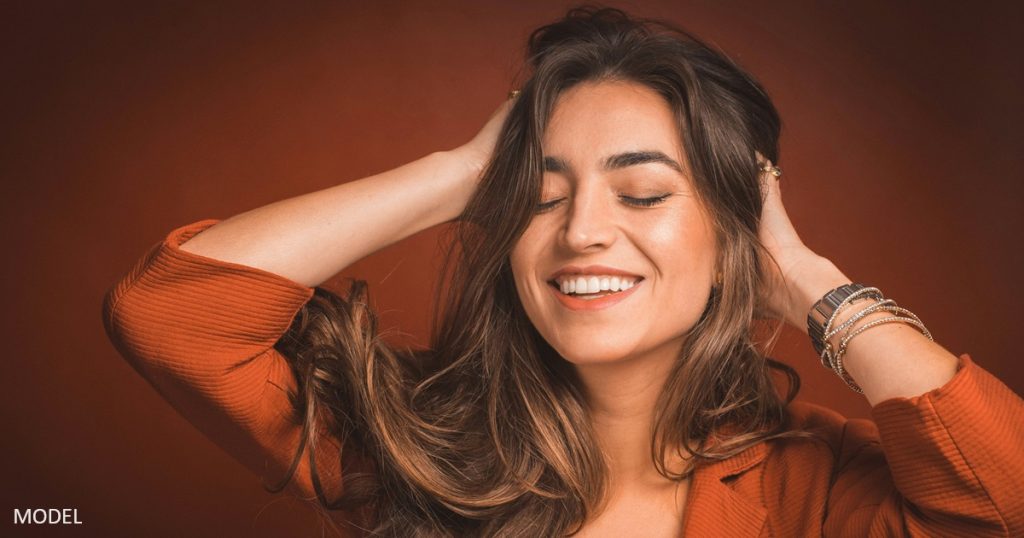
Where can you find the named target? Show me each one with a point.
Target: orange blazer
(949, 462)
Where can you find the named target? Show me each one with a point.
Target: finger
(776, 226)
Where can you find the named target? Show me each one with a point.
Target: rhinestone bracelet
(841, 372)
(822, 334)
(886, 305)
(879, 304)
(826, 351)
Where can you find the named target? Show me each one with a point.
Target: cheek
(527, 255)
(684, 244)
(523, 260)
(526, 252)
(519, 258)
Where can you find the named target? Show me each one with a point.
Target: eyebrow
(617, 161)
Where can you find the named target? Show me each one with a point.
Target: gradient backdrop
(901, 147)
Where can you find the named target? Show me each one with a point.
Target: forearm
(311, 237)
(886, 361)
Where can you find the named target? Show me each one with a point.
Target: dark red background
(901, 148)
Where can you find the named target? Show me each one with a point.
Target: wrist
(469, 161)
(456, 176)
(817, 277)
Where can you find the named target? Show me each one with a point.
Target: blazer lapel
(714, 509)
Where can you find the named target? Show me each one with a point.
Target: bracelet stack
(821, 324)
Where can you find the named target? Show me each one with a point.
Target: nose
(590, 221)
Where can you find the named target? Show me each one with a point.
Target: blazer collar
(715, 509)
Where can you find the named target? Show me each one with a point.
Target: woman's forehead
(603, 125)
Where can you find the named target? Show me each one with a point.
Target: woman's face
(622, 213)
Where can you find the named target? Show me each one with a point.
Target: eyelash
(638, 202)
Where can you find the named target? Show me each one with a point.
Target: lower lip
(574, 303)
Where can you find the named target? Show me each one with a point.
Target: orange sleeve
(946, 463)
(201, 332)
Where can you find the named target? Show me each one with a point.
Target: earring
(773, 170)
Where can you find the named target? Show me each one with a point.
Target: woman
(594, 368)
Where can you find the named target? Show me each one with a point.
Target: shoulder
(837, 428)
(836, 437)
(812, 464)
(803, 414)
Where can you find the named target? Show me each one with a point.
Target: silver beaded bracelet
(833, 360)
(841, 372)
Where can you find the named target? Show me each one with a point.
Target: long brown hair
(486, 432)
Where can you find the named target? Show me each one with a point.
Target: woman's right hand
(477, 152)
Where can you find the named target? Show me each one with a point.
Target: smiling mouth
(605, 290)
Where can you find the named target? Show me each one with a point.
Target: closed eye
(646, 202)
(547, 206)
(637, 202)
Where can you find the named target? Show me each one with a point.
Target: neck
(621, 396)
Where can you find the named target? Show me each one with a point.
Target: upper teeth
(594, 283)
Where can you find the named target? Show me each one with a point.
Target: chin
(592, 353)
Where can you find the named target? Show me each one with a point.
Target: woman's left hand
(800, 273)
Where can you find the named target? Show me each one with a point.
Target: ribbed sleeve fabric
(202, 331)
(946, 463)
